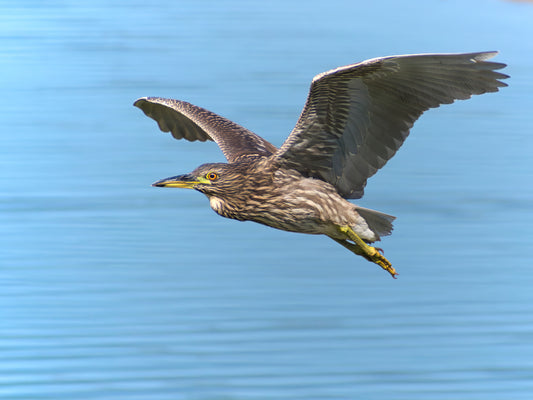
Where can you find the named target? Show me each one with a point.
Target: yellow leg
(361, 248)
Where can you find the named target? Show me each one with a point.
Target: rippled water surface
(112, 289)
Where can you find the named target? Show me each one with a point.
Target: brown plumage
(355, 119)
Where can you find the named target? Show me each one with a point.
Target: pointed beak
(186, 181)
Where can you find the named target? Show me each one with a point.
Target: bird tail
(380, 223)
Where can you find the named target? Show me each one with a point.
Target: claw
(376, 257)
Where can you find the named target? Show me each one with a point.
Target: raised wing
(356, 117)
(187, 121)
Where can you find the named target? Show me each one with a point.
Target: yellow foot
(376, 257)
(370, 253)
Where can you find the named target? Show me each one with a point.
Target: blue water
(112, 289)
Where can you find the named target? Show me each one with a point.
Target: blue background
(112, 289)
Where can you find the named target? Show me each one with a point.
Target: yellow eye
(212, 176)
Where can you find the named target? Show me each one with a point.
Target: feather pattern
(187, 121)
(356, 117)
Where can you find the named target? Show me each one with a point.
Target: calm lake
(113, 289)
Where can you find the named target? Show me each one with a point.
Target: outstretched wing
(187, 121)
(356, 117)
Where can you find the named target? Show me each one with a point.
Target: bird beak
(186, 181)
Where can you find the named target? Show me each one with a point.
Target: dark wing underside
(187, 121)
(357, 117)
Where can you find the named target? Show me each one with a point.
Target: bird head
(214, 179)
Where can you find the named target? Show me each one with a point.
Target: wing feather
(356, 117)
(190, 122)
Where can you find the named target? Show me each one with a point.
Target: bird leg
(360, 248)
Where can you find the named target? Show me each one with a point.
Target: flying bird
(355, 119)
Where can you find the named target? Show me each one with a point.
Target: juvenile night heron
(355, 119)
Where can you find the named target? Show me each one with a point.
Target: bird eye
(211, 176)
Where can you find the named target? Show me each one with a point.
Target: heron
(354, 120)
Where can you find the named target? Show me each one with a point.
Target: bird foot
(373, 254)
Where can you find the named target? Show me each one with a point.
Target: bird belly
(298, 204)
(314, 221)
(294, 222)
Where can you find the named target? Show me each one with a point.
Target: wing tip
(484, 55)
(140, 101)
(487, 55)
(152, 99)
